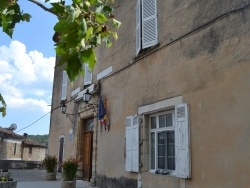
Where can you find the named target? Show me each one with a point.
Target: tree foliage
(3, 108)
(81, 27)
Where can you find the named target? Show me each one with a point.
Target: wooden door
(87, 156)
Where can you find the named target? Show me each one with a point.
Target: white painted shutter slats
(149, 23)
(135, 144)
(182, 141)
(132, 144)
(138, 27)
(128, 153)
(87, 75)
(64, 86)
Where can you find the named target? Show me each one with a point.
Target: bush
(49, 163)
(70, 168)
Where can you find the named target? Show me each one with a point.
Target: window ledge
(171, 173)
(146, 52)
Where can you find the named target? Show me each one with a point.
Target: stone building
(18, 147)
(33, 151)
(10, 145)
(176, 85)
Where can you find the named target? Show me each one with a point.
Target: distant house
(10, 145)
(32, 150)
(18, 147)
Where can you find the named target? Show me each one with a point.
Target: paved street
(36, 178)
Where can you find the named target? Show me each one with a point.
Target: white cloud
(25, 77)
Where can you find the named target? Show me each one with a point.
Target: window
(87, 75)
(162, 142)
(30, 150)
(169, 142)
(146, 24)
(64, 86)
(15, 145)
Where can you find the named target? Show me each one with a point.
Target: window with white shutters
(169, 142)
(146, 24)
(132, 144)
(64, 86)
(87, 75)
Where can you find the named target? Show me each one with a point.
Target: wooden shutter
(128, 153)
(132, 144)
(64, 86)
(138, 27)
(135, 144)
(87, 75)
(182, 141)
(149, 23)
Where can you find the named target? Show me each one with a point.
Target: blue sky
(26, 71)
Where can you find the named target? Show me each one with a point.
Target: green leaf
(101, 18)
(107, 9)
(98, 39)
(58, 8)
(116, 24)
(83, 42)
(77, 1)
(108, 41)
(115, 35)
(26, 17)
(89, 33)
(84, 26)
(3, 109)
(88, 56)
(60, 26)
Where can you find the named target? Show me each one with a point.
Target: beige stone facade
(10, 149)
(33, 153)
(202, 59)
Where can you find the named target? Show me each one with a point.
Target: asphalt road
(36, 179)
(27, 175)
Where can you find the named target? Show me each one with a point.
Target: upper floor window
(146, 24)
(87, 75)
(64, 86)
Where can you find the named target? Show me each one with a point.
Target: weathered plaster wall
(209, 68)
(37, 154)
(60, 123)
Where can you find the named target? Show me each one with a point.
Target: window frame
(142, 31)
(158, 130)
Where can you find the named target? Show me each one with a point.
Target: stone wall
(7, 149)
(37, 153)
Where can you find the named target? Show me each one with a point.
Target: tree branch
(44, 7)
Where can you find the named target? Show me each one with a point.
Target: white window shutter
(138, 27)
(135, 144)
(149, 23)
(128, 153)
(87, 75)
(182, 141)
(64, 86)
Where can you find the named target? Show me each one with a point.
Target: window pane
(152, 155)
(161, 150)
(162, 121)
(170, 150)
(153, 122)
(169, 120)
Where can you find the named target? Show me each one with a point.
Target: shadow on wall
(103, 181)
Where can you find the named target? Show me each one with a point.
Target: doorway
(87, 145)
